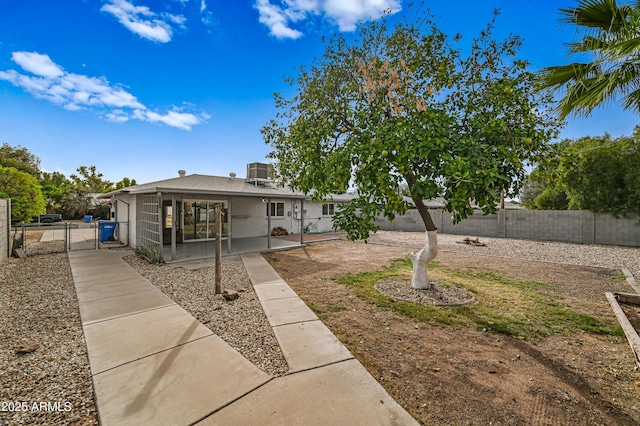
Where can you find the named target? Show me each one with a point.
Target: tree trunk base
(421, 259)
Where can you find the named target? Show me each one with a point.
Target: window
(328, 209)
(277, 209)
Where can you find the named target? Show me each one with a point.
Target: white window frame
(273, 205)
(328, 209)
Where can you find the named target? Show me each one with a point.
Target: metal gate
(37, 239)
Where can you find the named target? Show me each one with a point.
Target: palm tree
(611, 40)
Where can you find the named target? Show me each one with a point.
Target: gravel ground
(546, 251)
(241, 323)
(38, 304)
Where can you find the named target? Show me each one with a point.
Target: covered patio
(207, 249)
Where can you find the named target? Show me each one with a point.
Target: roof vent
(182, 173)
(232, 175)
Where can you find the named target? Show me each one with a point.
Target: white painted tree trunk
(421, 259)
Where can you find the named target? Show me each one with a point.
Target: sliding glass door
(199, 218)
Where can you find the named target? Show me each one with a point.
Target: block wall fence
(573, 226)
(5, 228)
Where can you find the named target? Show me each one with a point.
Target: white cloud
(75, 91)
(276, 19)
(177, 119)
(345, 14)
(37, 64)
(144, 22)
(205, 15)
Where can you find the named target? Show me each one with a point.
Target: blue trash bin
(106, 230)
(88, 218)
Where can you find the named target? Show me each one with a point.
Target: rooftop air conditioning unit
(259, 173)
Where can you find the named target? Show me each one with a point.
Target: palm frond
(603, 15)
(611, 34)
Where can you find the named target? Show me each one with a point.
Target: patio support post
(159, 200)
(174, 216)
(301, 221)
(229, 225)
(268, 223)
(218, 249)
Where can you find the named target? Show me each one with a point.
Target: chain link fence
(35, 239)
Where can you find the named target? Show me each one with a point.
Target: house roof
(211, 185)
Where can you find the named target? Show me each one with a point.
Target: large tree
(125, 183)
(610, 47)
(19, 158)
(89, 179)
(596, 173)
(54, 187)
(404, 104)
(24, 191)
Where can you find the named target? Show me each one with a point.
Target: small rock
(27, 347)
(241, 290)
(230, 295)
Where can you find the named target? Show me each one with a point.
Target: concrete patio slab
(338, 394)
(287, 311)
(274, 290)
(93, 290)
(308, 345)
(121, 340)
(175, 387)
(117, 306)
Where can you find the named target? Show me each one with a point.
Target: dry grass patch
(523, 309)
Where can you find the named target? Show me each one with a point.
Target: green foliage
(591, 173)
(76, 203)
(70, 196)
(524, 309)
(19, 158)
(552, 198)
(90, 180)
(150, 254)
(125, 183)
(54, 187)
(405, 105)
(24, 191)
(609, 37)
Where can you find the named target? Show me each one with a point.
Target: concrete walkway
(154, 364)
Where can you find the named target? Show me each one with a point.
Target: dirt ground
(463, 376)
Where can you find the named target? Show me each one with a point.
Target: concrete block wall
(5, 228)
(619, 231)
(572, 226)
(476, 225)
(559, 225)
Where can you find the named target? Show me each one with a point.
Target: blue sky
(144, 88)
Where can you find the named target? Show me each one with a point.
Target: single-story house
(177, 217)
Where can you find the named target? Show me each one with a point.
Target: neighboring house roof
(212, 185)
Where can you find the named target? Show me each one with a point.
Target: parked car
(47, 218)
